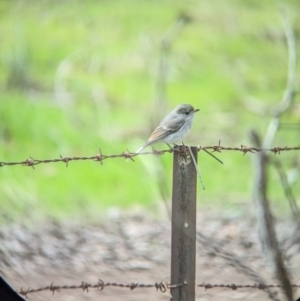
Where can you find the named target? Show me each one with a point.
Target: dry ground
(129, 248)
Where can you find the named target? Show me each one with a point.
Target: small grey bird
(173, 127)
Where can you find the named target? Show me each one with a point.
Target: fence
(100, 157)
(183, 234)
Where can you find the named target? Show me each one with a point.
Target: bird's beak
(196, 110)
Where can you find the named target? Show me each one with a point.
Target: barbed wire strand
(100, 157)
(159, 286)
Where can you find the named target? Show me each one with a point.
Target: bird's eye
(186, 113)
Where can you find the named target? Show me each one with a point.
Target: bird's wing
(166, 128)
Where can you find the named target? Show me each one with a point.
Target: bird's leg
(171, 148)
(174, 145)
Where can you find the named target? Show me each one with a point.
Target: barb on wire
(159, 286)
(127, 155)
(215, 150)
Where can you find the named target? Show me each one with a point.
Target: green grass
(78, 76)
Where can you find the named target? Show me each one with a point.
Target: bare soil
(134, 248)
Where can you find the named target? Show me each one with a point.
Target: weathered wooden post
(183, 252)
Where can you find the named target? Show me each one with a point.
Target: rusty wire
(159, 286)
(100, 285)
(237, 286)
(128, 155)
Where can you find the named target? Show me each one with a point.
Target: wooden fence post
(183, 252)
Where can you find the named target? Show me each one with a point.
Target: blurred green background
(77, 76)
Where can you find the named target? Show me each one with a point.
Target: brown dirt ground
(133, 248)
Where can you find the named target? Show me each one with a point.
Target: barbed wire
(159, 286)
(100, 157)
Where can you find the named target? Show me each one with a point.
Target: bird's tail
(144, 146)
(140, 149)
